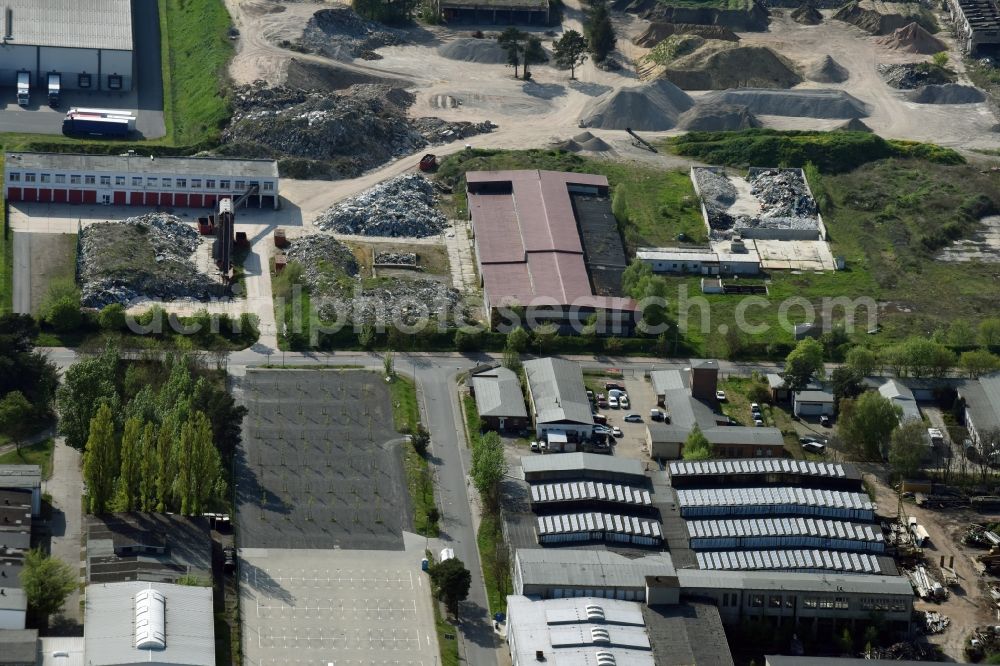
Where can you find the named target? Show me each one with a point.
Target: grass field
(34, 454)
(405, 417)
(496, 569)
(447, 635)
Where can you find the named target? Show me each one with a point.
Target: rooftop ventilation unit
(150, 620)
(605, 658)
(600, 635)
(595, 613)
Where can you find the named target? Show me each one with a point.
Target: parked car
(623, 401)
(824, 421)
(613, 385)
(613, 402)
(616, 431)
(534, 446)
(754, 407)
(602, 403)
(633, 418)
(229, 563)
(656, 414)
(720, 396)
(814, 447)
(757, 421)
(602, 430)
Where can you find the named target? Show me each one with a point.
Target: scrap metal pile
(403, 206)
(782, 195)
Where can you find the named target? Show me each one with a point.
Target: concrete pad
(337, 607)
(795, 255)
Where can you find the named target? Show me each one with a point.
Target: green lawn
(419, 480)
(34, 454)
(447, 635)
(494, 553)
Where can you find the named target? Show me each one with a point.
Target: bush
(64, 315)
(112, 317)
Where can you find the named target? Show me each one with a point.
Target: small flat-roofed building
(734, 473)
(25, 478)
(813, 402)
(18, 647)
(567, 572)
(130, 624)
(802, 597)
(502, 12)
(88, 43)
(595, 495)
(558, 399)
(777, 387)
(499, 400)
(531, 254)
(982, 410)
(135, 180)
(156, 547)
(666, 440)
(724, 258)
(587, 466)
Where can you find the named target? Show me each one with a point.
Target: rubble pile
(912, 38)
(715, 188)
(935, 623)
(324, 259)
(910, 651)
(403, 206)
(383, 258)
(147, 256)
(436, 130)
(909, 76)
(782, 194)
(341, 34)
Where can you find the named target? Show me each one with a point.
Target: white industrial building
(149, 623)
(89, 43)
(735, 257)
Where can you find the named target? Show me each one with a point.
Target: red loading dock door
(75, 196)
(166, 199)
(152, 198)
(89, 196)
(181, 200)
(194, 200)
(59, 196)
(44, 194)
(13, 194)
(119, 198)
(30, 194)
(135, 198)
(210, 201)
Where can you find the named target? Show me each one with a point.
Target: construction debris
(908, 76)
(341, 34)
(909, 651)
(403, 206)
(935, 623)
(383, 258)
(925, 586)
(783, 194)
(780, 200)
(435, 130)
(324, 260)
(143, 257)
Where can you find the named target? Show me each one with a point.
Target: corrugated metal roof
(761, 466)
(82, 24)
(20, 476)
(723, 497)
(557, 390)
(571, 523)
(194, 166)
(982, 399)
(582, 567)
(589, 490)
(499, 395)
(582, 462)
(764, 527)
(812, 560)
(110, 635)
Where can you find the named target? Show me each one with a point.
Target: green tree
(452, 581)
(533, 54)
(845, 642)
(112, 317)
(127, 495)
(866, 424)
(570, 51)
(100, 460)
(46, 582)
(846, 382)
(989, 332)
(86, 385)
(511, 360)
(758, 392)
(489, 465)
(804, 363)
(15, 417)
(518, 340)
(978, 362)
(907, 447)
(389, 364)
(513, 42)
(147, 468)
(833, 342)
(696, 446)
(165, 463)
(862, 360)
(545, 336)
(206, 477)
(961, 334)
(599, 31)
(922, 357)
(421, 440)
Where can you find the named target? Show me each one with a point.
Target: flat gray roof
(18, 646)
(13, 598)
(665, 380)
(813, 395)
(793, 581)
(687, 633)
(80, 24)
(144, 164)
(762, 436)
(187, 542)
(498, 393)
(982, 399)
(20, 476)
(557, 390)
(110, 618)
(598, 568)
(582, 462)
(772, 496)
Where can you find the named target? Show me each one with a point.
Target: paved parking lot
(337, 607)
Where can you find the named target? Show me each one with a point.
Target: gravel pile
(948, 93)
(657, 32)
(396, 258)
(651, 107)
(147, 256)
(817, 103)
(588, 141)
(853, 125)
(403, 206)
(826, 70)
(782, 194)
(882, 18)
(720, 65)
(341, 34)
(482, 51)
(910, 76)
(717, 118)
(716, 190)
(913, 38)
(807, 15)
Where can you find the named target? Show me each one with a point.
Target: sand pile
(826, 70)
(657, 32)
(807, 15)
(913, 38)
(853, 125)
(948, 93)
(651, 107)
(881, 18)
(818, 103)
(717, 118)
(721, 65)
(482, 51)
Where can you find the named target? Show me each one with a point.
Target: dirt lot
(969, 605)
(41, 258)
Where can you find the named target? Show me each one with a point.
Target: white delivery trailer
(23, 88)
(55, 86)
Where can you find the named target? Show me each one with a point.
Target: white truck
(55, 83)
(23, 86)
